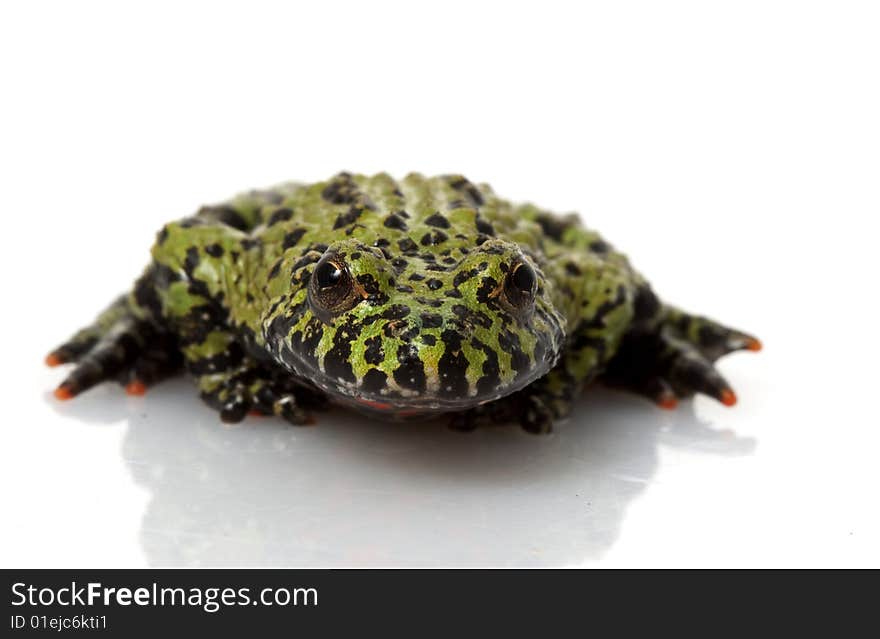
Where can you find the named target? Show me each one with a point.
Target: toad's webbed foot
(116, 346)
(677, 360)
(534, 408)
(244, 386)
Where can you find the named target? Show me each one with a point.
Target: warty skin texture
(401, 298)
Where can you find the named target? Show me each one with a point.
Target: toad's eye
(331, 288)
(523, 278)
(519, 285)
(327, 274)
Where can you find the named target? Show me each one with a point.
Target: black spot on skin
(305, 260)
(462, 184)
(600, 247)
(452, 367)
(371, 286)
(225, 215)
(407, 246)
(273, 273)
(572, 269)
(349, 217)
(463, 276)
(453, 292)
(472, 317)
(416, 277)
(429, 302)
(481, 239)
(403, 213)
(431, 320)
(342, 189)
(429, 340)
(553, 225)
(436, 267)
(191, 261)
(280, 215)
(433, 238)
(437, 220)
(486, 288)
(451, 261)
(249, 242)
(394, 221)
(509, 343)
(491, 379)
(382, 242)
(434, 284)
(162, 235)
(214, 250)
(305, 342)
(373, 351)
(336, 361)
(356, 255)
(292, 239)
(484, 227)
(403, 288)
(374, 381)
(410, 374)
(399, 263)
(395, 312)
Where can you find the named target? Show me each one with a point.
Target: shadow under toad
(356, 492)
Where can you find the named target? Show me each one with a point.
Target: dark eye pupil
(328, 274)
(524, 278)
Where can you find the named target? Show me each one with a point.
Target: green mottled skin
(426, 315)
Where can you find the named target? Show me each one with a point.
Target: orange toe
(136, 388)
(668, 403)
(53, 360)
(754, 345)
(63, 393)
(728, 397)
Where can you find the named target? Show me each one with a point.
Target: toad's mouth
(391, 401)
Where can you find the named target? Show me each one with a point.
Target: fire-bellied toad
(400, 298)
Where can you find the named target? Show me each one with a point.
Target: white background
(732, 149)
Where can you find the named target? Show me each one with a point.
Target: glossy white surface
(732, 154)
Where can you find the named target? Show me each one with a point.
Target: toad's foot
(251, 388)
(117, 346)
(677, 361)
(534, 408)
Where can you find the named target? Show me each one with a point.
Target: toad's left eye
(523, 278)
(332, 289)
(519, 285)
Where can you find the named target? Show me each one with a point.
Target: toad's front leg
(236, 384)
(676, 359)
(534, 408)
